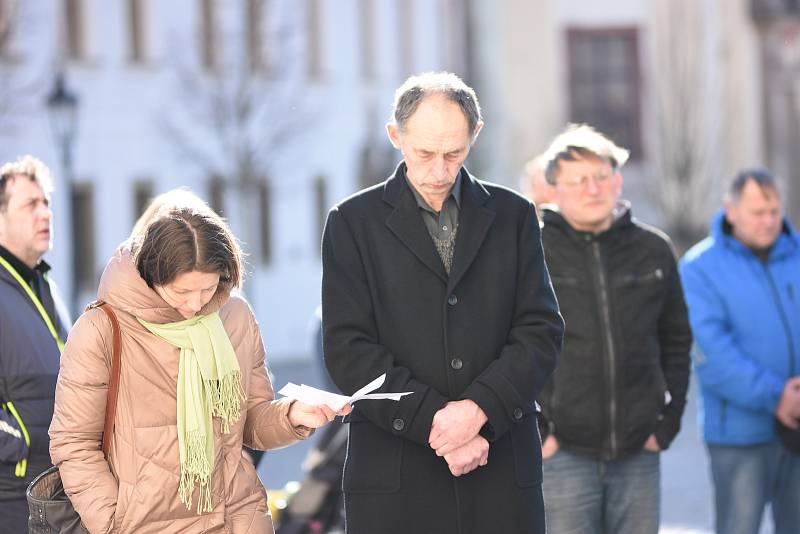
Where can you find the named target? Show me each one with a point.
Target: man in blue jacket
(742, 286)
(32, 332)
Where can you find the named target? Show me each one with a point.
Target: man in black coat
(617, 397)
(438, 280)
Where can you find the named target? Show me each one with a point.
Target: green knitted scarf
(209, 385)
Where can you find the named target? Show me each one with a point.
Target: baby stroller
(318, 506)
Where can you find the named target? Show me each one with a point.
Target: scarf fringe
(196, 469)
(226, 398)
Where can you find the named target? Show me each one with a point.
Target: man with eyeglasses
(33, 327)
(618, 393)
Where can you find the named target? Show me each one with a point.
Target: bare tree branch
(683, 183)
(248, 115)
(19, 88)
(232, 120)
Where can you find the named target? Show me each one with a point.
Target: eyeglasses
(581, 181)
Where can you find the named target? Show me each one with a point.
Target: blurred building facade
(271, 110)
(697, 89)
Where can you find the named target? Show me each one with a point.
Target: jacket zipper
(782, 313)
(611, 357)
(22, 466)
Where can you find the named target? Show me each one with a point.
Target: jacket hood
(622, 218)
(722, 231)
(122, 286)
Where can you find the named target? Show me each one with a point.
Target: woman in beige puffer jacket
(136, 488)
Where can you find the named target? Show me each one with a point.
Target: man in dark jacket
(32, 332)
(438, 280)
(617, 396)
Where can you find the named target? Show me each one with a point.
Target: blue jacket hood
(720, 231)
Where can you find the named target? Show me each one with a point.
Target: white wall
(121, 135)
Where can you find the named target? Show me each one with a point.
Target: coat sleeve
(528, 359)
(721, 365)
(76, 432)
(350, 339)
(675, 340)
(12, 442)
(267, 424)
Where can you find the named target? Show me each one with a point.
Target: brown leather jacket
(136, 490)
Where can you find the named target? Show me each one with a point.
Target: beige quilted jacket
(136, 490)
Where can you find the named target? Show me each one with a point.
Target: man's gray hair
(580, 141)
(763, 177)
(530, 170)
(409, 95)
(29, 167)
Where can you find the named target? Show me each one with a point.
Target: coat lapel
(405, 222)
(474, 221)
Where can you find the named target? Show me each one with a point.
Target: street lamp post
(62, 109)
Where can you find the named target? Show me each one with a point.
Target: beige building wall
(535, 107)
(742, 115)
(515, 75)
(520, 69)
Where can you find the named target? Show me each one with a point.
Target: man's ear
(478, 128)
(730, 211)
(394, 134)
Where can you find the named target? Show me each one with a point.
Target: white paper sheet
(336, 402)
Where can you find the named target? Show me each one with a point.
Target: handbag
(49, 506)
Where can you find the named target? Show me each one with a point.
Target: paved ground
(686, 490)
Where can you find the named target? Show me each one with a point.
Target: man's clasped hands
(454, 436)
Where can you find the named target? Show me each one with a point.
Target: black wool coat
(490, 332)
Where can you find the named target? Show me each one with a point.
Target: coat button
(452, 300)
(517, 413)
(456, 363)
(398, 424)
